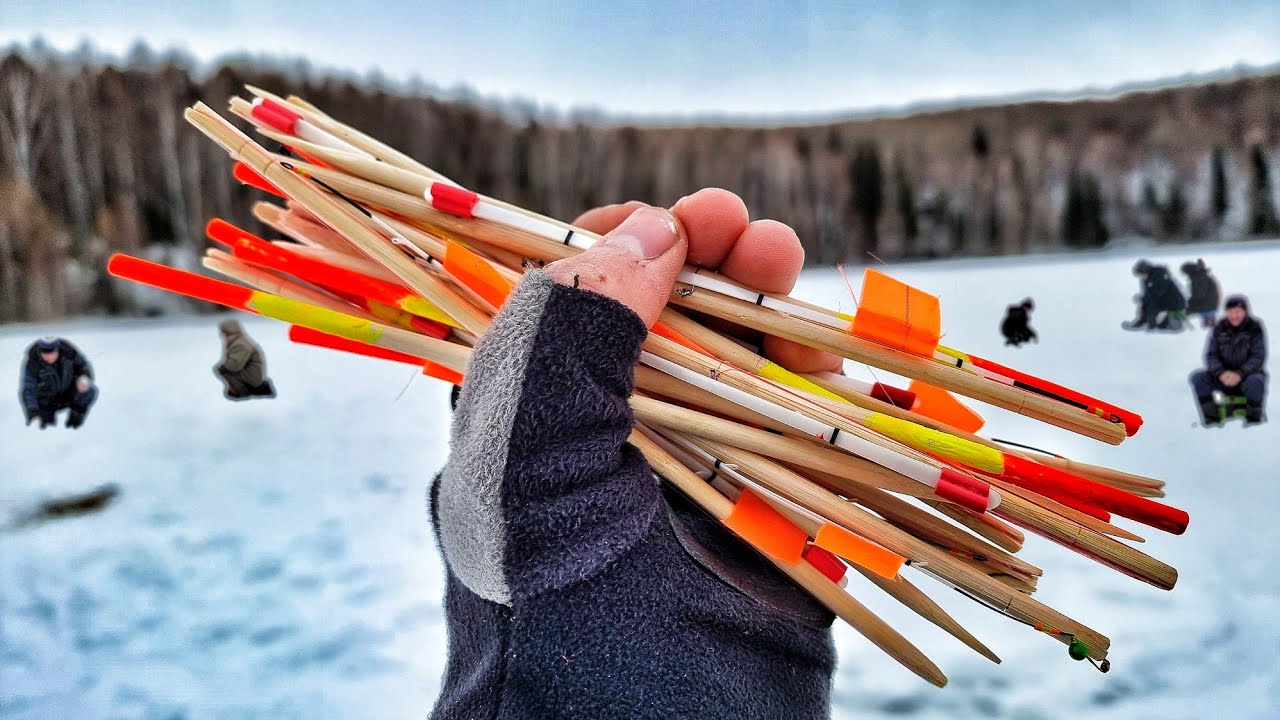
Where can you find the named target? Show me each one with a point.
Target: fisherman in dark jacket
(1235, 362)
(1015, 327)
(56, 376)
(243, 368)
(1205, 294)
(575, 586)
(1161, 305)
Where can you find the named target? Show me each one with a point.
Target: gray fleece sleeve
(541, 488)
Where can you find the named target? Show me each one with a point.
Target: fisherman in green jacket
(243, 368)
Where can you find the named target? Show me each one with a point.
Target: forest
(95, 159)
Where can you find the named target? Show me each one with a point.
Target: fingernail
(648, 233)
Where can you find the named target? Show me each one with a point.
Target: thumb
(636, 264)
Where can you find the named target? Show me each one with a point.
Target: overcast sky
(727, 56)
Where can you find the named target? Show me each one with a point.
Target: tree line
(95, 158)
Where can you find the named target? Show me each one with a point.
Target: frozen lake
(273, 559)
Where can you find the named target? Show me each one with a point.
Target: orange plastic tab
(441, 372)
(860, 552)
(768, 530)
(477, 274)
(938, 404)
(893, 313)
(663, 331)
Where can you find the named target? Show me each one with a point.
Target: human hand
(645, 249)
(1230, 378)
(82, 383)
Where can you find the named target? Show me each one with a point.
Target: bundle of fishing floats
(819, 472)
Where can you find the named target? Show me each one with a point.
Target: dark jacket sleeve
(541, 489)
(80, 365)
(29, 385)
(1257, 352)
(1212, 357)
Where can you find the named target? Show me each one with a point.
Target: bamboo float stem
(923, 524)
(896, 361)
(1067, 512)
(799, 490)
(1136, 484)
(899, 588)
(985, 525)
(880, 633)
(804, 453)
(1103, 548)
(858, 414)
(1004, 396)
(307, 233)
(914, 520)
(231, 266)
(354, 263)
(370, 145)
(266, 168)
(340, 216)
(902, 590)
(988, 565)
(733, 377)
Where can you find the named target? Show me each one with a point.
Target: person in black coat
(1205, 294)
(1161, 302)
(1234, 364)
(1015, 327)
(56, 376)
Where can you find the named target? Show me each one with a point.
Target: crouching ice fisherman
(576, 586)
(243, 368)
(1234, 365)
(56, 376)
(1016, 326)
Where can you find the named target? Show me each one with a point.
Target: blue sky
(726, 56)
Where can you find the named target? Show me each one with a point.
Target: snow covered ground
(273, 559)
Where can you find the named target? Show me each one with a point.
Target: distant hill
(94, 157)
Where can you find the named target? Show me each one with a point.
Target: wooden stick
(985, 525)
(855, 348)
(233, 267)
(1095, 545)
(921, 523)
(1136, 484)
(880, 633)
(413, 185)
(340, 216)
(902, 590)
(804, 453)
(1066, 512)
(352, 136)
(308, 233)
(992, 592)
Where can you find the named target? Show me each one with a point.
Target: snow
(272, 559)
